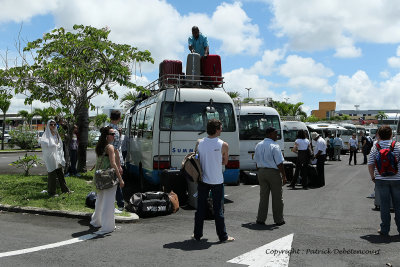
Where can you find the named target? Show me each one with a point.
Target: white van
(346, 135)
(326, 130)
(253, 120)
(290, 129)
(163, 128)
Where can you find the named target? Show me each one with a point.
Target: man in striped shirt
(388, 187)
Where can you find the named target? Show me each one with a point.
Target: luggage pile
(204, 71)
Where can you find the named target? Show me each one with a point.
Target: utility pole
(248, 92)
(286, 99)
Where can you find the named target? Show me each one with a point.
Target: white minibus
(253, 120)
(346, 135)
(290, 129)
(163, 128)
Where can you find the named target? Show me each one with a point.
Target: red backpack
(386, 162)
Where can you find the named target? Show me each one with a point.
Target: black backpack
(91, 200)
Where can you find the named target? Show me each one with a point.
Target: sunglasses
(111, 134)
(52, 124)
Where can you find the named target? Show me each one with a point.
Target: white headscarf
(53, 153)
(47, 138)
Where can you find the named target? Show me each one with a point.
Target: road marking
(276, 254)
(49, 246)
(254, 185)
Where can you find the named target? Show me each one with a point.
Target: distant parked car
(94, 137)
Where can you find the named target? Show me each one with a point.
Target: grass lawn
(23, 191)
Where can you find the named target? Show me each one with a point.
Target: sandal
(229, 239)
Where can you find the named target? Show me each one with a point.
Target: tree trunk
(83, 129)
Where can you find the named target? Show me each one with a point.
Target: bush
(23, 137)
(26, 163)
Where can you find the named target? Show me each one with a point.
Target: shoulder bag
(105, 178)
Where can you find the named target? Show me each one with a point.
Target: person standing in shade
(320, 155)
(271, 176)
(115, 118)
(107, 155)
(213, 153)
(303, 148)
(73, 153)
(353, 147)
(337, 147)
(198, 42)
(388, 187)
(53, 156)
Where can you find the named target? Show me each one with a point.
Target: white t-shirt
(302, 144)
(321, 145)
(210, 152)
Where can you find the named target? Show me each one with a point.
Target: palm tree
(45, 114)
(233, 95)
(26, 116)
(128, 99)
(4, 106)
(381, 115)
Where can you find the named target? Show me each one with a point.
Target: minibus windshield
(252, 127)
(192, 116)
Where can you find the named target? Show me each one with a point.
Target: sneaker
(229, 239)
(121, 209)
(193, 238)
(281, 223)
(260, 222)
(117, 211)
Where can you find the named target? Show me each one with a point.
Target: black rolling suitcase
(288, 166)
(173, 180)
(313, 180)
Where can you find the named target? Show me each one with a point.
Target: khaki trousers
(270, 181)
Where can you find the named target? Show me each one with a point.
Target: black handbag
(105, 179)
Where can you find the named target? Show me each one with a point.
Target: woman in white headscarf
(53, 156)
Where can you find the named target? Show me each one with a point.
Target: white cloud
(394, 62)
(359, 89)
(314, 25)
(24, 10)
(239, 79)
(267, 63)
(306, 73)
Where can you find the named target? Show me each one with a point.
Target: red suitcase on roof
(211, 70)
(170, 71)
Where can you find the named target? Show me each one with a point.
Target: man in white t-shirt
(213, 153)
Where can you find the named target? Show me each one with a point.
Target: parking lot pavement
(331, 226)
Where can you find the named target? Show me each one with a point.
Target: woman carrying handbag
(103, 215)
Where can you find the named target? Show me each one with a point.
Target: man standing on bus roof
(213, 154)
(271, 176)
(198, 42)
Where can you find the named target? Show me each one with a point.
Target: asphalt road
(331, 226)
(7, 158)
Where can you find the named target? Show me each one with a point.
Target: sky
(295, 51)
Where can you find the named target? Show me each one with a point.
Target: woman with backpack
(103, 215)
(383, 167)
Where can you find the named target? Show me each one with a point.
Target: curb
(69, 214)
(31, 151)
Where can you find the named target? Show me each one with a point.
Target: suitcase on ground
(150, 204)
(173, 180)
(288, 166)
(249, 177)
(211, 70)
(312, 176)
(169, 71)
(193, 69)
(377, 201)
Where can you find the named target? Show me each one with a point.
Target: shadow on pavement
(259, 227)
(379, 239)
(190, 245)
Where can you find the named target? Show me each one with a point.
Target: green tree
(288, 109)
(233, 95)
(100, 119)
(26, 116)
(46, 114)
(311, 118)
(381, 116)
(4, 106)
(69, 69)
(248, 100)
(128, 99)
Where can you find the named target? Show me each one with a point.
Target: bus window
(140, 122)
(192, 116)
(252, 127)
(290, 135)
(149, 119)
(133, 125)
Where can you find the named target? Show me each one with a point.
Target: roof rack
(177, 81)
